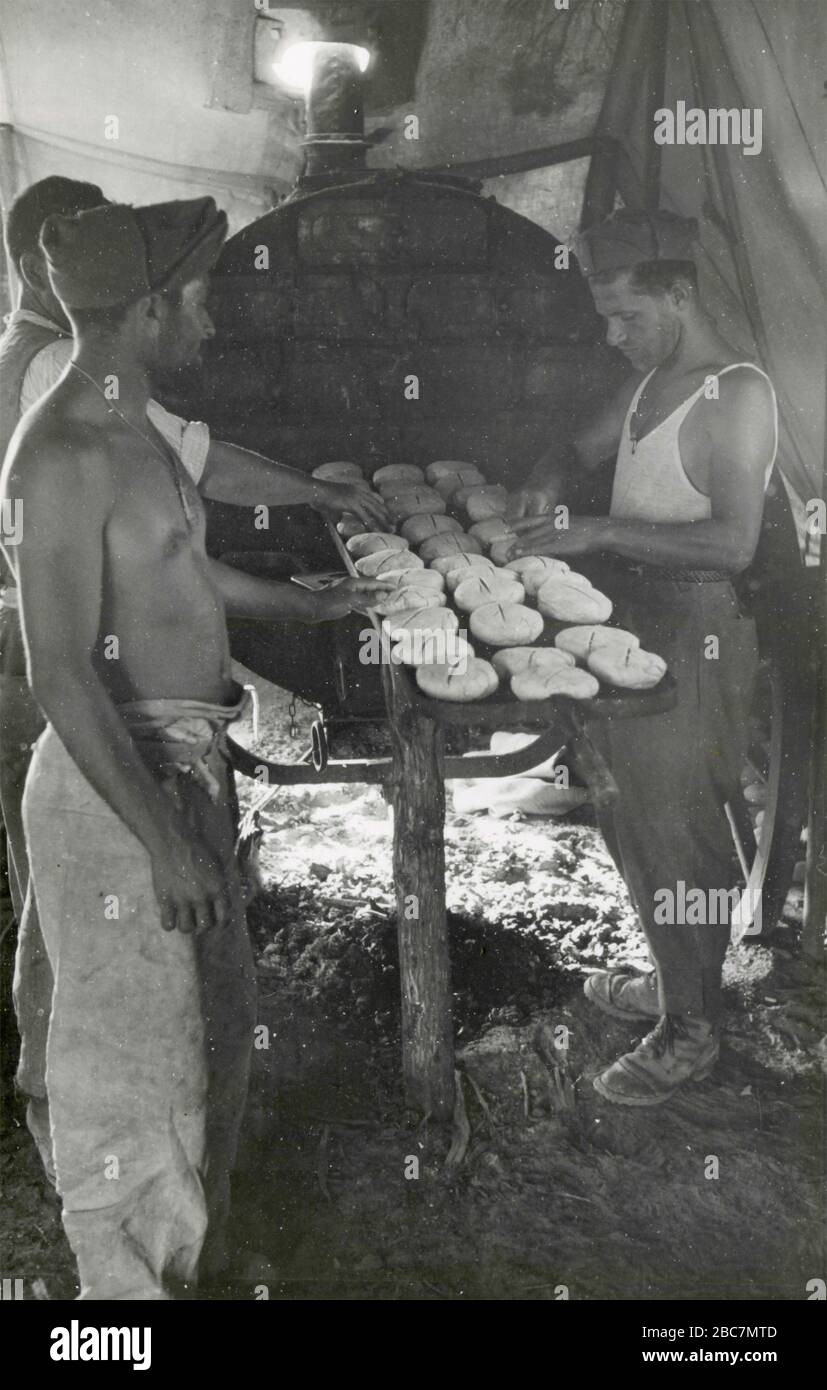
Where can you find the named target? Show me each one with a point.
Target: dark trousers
(675, 771)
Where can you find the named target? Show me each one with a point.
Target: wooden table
(416, 780)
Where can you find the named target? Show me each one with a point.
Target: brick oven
(389, 317)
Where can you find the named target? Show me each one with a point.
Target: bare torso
(162, 629)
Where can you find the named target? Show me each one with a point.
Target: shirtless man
(35, 350)
(695, 439)
(128, 801)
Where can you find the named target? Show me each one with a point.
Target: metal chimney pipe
(335, 143)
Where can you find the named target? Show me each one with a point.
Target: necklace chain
(172, 464)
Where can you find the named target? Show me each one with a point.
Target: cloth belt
(178, 736)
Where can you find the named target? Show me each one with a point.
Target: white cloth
(189, 438)
(650, 482)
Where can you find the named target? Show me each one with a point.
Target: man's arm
(67, 495)
(737, 431)
(251, 596)
(244, 478)
(549, 478)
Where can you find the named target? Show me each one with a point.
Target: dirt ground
(539, 1190)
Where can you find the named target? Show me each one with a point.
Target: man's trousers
(675, 771)
(149, 1037)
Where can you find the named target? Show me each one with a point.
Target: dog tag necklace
(170, 460)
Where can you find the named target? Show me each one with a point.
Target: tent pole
(815, 876)
(655, 99)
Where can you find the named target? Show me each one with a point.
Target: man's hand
(531, 502)
(190, 886)
(350, 596)
(336, 498)
(540, 536)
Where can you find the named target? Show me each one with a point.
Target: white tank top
(650, 482)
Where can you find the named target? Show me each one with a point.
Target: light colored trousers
(149, 1037)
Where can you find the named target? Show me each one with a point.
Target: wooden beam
(419, 882)
(518, 163)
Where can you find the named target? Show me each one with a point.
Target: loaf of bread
(449, 468)
(432, 649)
(455, 564)
(588, 637)
(539, 564)
(369, 541)
(426, 619)
(380, 560)
(349, 525)
(474, 680)
(340, 473)
(451, 480)
(481, 503)
(511, 661)
(450, 543)
(407, 597)
(570, 602)
(420, 528)
(420, 501)
(403, 474)
(567, 680)
(423, 579)
(506, 624)
(632, 669)
(480, 588)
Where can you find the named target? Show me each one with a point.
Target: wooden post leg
(419, 878)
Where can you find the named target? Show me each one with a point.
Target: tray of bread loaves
(486, 640)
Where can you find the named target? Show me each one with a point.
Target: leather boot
(678, 1049)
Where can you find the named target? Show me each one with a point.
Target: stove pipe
(335, 143)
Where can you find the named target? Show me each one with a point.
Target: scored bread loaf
(450, 543)
(349, 525)
(414, 502)
(634, 669)
(455, 564)
(402, 473)
(430, 618)
(473, 680)
(449, 468)
(481, 503)
(369, 541)
(480, 588)
(510, 661)
(506, 624)
(423, 579)
(569, 602)
(431, 649)
(417, 529)
(540, 564)
(340, 473)
(532, 684)
(406, 598)
(588, 637)
(381, 560)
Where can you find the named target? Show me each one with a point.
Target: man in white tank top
(695, 434)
